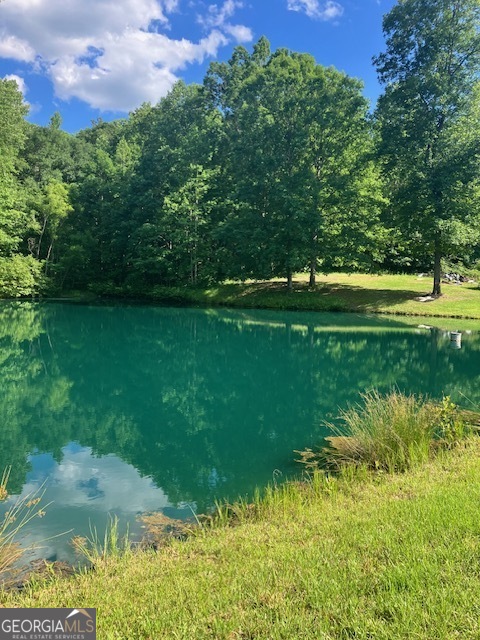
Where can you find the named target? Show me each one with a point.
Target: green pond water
(123, 410)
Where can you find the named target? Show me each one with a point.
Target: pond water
(122, 410)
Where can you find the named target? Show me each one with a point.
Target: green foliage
(272, 166)
(428, 118)
(299, 184)
(265, 169)
(20, 276)
(13, 218)
(452, 427)
(37, 164)
(186, 253)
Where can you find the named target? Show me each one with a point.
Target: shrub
(20, 276)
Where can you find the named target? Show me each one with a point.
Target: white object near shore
(455, 339)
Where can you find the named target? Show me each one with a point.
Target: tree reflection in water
(205, 404)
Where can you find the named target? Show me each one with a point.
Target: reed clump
(21, 511)
(100, 549)
(392, 432)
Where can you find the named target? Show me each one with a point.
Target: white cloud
(108, 53)
(171, 5)
(134, 67)
(329, 10)
(239, 32)
(217, 16)
(12, 47)
(81, 490)
(20, 82)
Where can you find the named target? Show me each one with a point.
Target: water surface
(127, 409)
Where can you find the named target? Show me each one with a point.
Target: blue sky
(103, 58)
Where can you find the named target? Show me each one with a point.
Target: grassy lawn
(384, 557)
(399, 293)
(392, 294)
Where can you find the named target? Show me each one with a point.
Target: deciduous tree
(429, 119)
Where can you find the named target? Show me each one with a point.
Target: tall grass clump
(392, 432)
(22, 511)
(97, 549)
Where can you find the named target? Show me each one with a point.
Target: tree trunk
(47, 259)
(289, 280)
(437, 267)
(41, 238)
(313, 259)
(313, 272)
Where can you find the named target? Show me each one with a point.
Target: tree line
(273, 165)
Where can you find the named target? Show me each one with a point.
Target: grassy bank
(382, 556)
(394, 294)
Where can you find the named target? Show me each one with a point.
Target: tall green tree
(13, 217)
(19, 274)
(429, 120)
(343, 187)
(172, 193)
(187, 221)
(54, 208)
(53, 162)
(268, 140)
(298, 157)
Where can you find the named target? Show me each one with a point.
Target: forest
(273, 165)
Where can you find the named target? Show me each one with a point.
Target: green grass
(361, 293)
(384, 557)
(399, 293)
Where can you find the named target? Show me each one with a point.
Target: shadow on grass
(334, 297)
(362, 299)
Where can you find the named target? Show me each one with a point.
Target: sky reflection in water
(122, 410)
